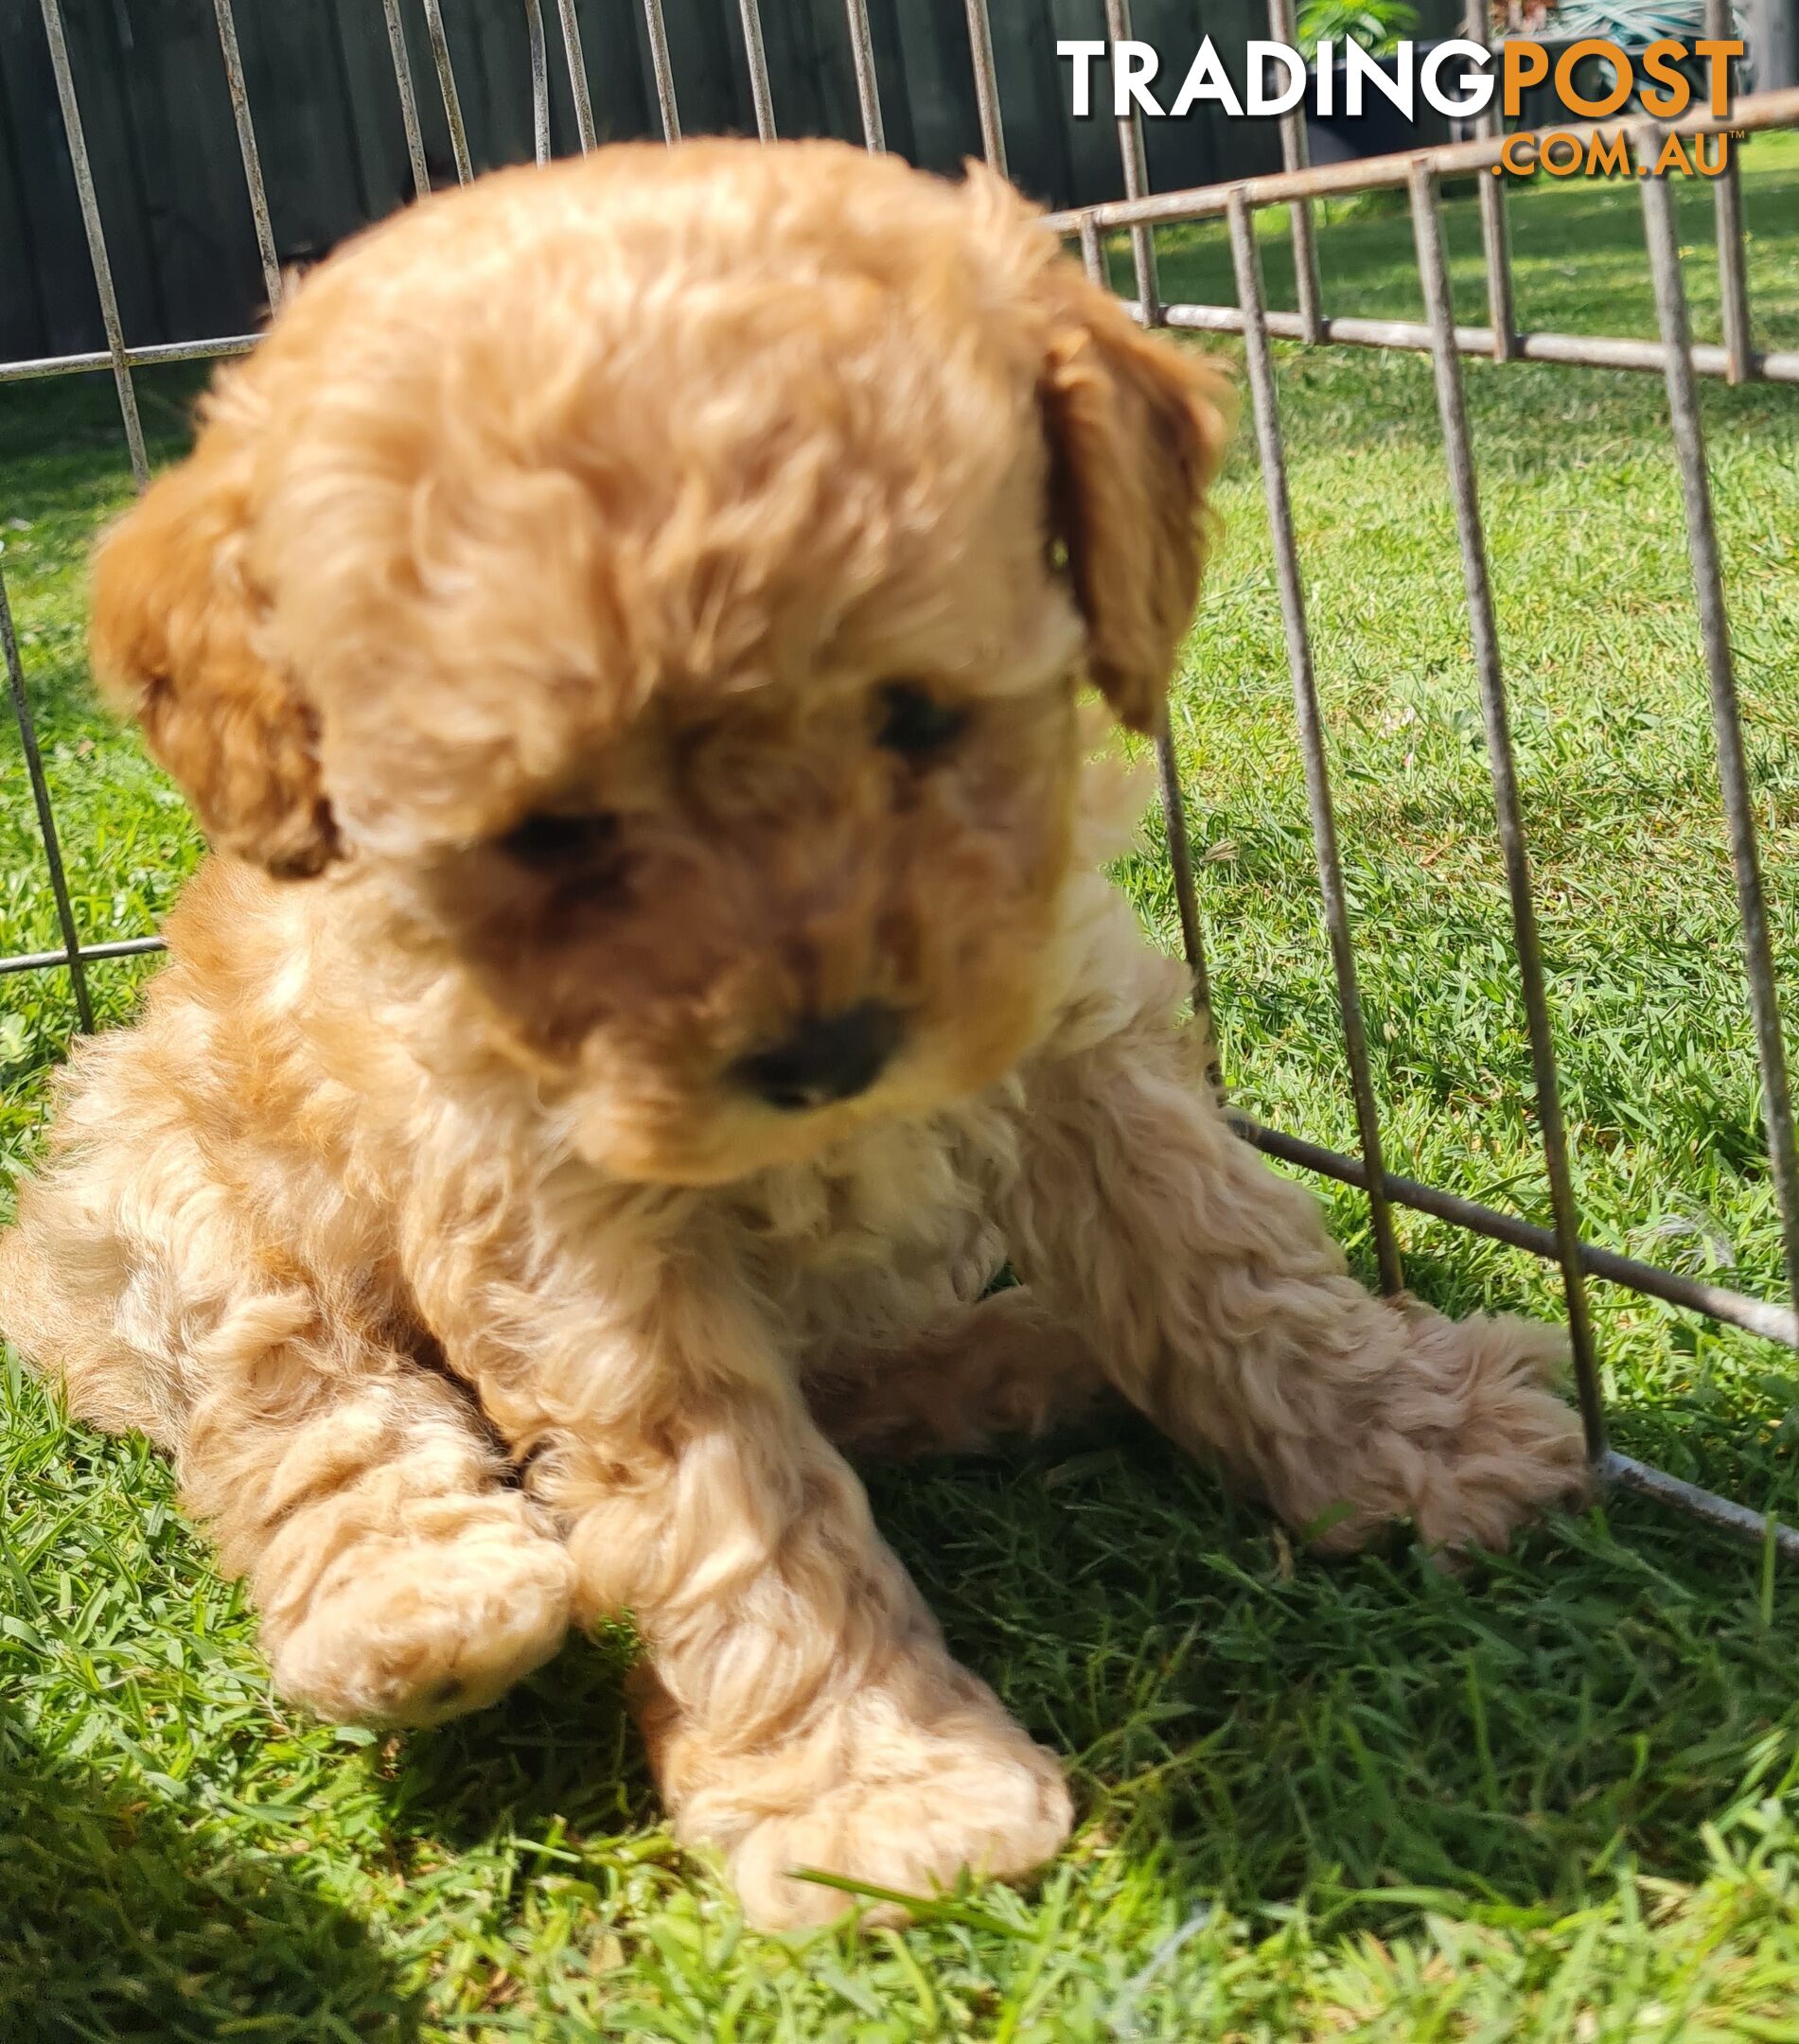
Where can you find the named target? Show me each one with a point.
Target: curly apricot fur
(424, 1217)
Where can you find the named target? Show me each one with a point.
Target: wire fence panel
(69, 958)
(868, 90)
(577, 74)
(1295, 155)
(538, 58)
(447, 88)
(247, 149)
(1433, 263)
(981, 46)
(1180, 858)
(1727, 722)
(756, 58)
(1305, 698)
(1496, 239)
(664, 73)
(95, 238)
(1134, 165)
(408, 99)
(1671, 353)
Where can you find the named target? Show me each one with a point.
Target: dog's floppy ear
(175, 646)
(1136, 430)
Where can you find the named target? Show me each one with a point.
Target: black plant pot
(1380, 128)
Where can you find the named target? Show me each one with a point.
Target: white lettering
(1083, 54)
(1285, 97)
(1205, 80)
(1360, 69)
(1134, 69)
(1477, 90)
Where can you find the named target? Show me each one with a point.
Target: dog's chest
(866, 1246)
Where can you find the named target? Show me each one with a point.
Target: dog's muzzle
(827, 1058)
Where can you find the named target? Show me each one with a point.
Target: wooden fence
(158, 122)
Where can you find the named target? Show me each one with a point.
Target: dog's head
(667, 578)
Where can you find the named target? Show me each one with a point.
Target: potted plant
(1380, 128)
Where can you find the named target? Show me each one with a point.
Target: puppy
(622, 633)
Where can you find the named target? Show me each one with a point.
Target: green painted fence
(171, 185)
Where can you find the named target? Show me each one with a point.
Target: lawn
(1555, 1796)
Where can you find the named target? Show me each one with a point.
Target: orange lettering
(1717, 53)
(1609, 159)
(1621, 80)
(1524, 64)
(1661, 61)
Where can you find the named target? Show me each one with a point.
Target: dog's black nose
(827, 1058)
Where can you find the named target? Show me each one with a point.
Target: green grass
(1553, 1797)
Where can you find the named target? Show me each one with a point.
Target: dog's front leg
(1210, 1290)
(799, 1702)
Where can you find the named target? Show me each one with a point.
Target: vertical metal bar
(540, 80)
(1093, 253)
(981, 46)
(1733, 769)
(577, 74)
(96, 237)
(1265, 399)
(1296, 155)
(868, 87)
(247, 149)
(756, 57)
(664, 71)
(1495, 233)
(1180, 855)
(1433, 273)
(408, 100)
(1137, 181)
(1727, 200)
(46, 818)
(447, 86)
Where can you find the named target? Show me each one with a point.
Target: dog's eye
(914, 724)
(547, 842)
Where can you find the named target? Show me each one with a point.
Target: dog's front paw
(999, 1809)
(1514, 1448)
(410, 1629)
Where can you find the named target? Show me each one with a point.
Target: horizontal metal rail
(156, 355)
(82, 954)
(1751, 115)
(1582, 351)
(1696, 1294)
(1718, 1302)
(1721, 1514)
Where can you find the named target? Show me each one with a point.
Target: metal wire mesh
(1673, 354)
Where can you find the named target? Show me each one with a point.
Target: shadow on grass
(122, 1920)
(1258, 1724)
(1264, 1724)
(558, 1749)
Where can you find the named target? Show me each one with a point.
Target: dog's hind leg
(398, 1576)
(1007, 1366)
(1219, 1305)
